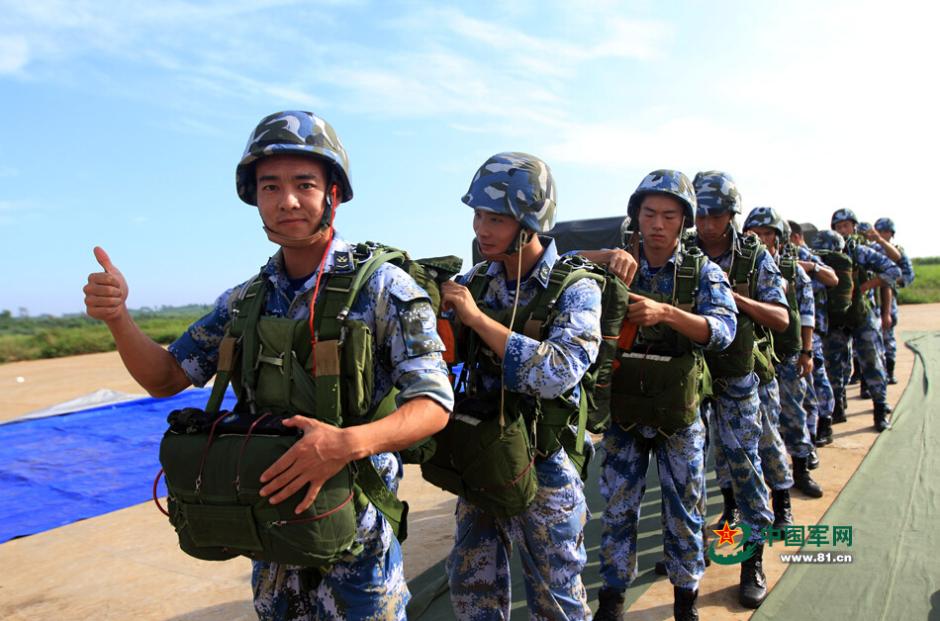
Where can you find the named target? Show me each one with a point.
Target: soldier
(655, 394)
(295, 170)
(736, 422)
(513, 198)
(885, 228)
(819, 399)
(863, 332)
(793, 347)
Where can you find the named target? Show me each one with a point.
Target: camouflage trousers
(891, 343)
(550, 537)
(736, 429)
(773, 452)
(819, 401)
(793, 428)
(867, 342)
(369, 586)
(681, 463)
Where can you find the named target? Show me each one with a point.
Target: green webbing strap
(245, 314)
(687, 280)
(395, 511)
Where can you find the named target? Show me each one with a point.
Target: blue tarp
(61, 469)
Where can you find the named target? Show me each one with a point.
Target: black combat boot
(889, 368)
(812, 462)
(730, 514)
(683, 607)
(611, 605)
(780, 500)
(802, 481)
(882, 418)
(824, 432)
(753, 587)
(838, 411)
(863, 392)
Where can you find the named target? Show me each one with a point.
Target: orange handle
(446, 332)
(627, 335)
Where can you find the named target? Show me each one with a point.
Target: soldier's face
(767, 236)
(845, 228)
(712, 229)
(291, 193)
(495, 232)
(661, 221)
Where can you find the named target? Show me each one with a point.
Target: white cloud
(14, 54)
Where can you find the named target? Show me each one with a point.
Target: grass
(926, 286)
(53, 337)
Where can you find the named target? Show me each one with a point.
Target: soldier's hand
(886, 322)
(872, 235)
(456, 297)
(805, 365)
(105, 292)
(646, 312)
(621, 264)
(314, 459)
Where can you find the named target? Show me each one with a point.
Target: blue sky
(122, 122)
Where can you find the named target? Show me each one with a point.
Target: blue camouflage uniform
(407, 351)
(550, 533)
(866, 338)
(773, 451)
(680, 458)
(736, 423)
(793, 427)
(819, 401)
(907, 277)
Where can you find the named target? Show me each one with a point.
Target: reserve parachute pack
(213, 459)
(487, 452)
(659, 377)
(789, 342)
(847, 304)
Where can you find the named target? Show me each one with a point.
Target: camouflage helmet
(670, 182)
(828, 240)
(518, 185)
(885, 224)
(863, 227)
(841, 215)
(716, 193)
(767, 216)
(292, 132)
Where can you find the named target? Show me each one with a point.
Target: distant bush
(926, 286)
(30, 338)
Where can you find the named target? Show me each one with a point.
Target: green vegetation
(30, 338)
(926, 286)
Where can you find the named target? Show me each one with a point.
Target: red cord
(156, 501)
(316, 286)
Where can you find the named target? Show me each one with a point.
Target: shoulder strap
(566, 271)
(687, 276)
(241, 332)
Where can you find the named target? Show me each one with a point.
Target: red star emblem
(726, 534)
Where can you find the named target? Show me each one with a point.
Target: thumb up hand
(106, 292)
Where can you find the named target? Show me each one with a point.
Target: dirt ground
(127, 565)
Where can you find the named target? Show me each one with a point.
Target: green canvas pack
(212, 471)
(486, 453)
(848, 306)
(738, 359)
(789, 342)
(660, 381)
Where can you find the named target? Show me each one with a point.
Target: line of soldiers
(725, 335)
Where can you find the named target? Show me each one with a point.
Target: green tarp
(893, 505)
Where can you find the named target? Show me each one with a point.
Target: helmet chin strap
(523, 238)
(326, 222)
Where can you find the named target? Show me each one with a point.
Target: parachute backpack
(789, 341)
(213, 460)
